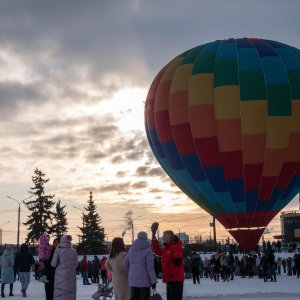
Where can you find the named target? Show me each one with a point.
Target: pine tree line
(43, 220)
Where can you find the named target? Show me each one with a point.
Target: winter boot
(23, 291)
(11, 289)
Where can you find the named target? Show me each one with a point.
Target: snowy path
(286, 287)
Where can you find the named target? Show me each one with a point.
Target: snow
(286, 287)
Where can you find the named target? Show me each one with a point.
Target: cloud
(128, 188)
(139, 185)
(65, 50)
(126, 148)
(156, 190)
(146, 171)
(121, 174)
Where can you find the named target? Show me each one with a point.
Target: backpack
(4, 262)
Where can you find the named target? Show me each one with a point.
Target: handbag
(155, 295)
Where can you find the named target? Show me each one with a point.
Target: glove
(153, 285)
(154, 227)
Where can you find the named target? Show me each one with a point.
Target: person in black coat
(49, 286)
(195, 265)
(263, 266)
(23, 263)
(96, 269)
(78, 269)
(271, 261)
(36, 270)
(156, 265)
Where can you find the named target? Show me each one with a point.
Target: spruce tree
(92, 237)
(39, 221)
(59, 228)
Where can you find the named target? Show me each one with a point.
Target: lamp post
(19, 210)
(108, 234)
(82, 222)
(214, 228)
(132, 230)
(179, 228)
(2, 231)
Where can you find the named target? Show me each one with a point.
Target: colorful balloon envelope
(223, 120)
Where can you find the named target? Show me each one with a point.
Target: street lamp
(179, 228)
(108, 234)
(82, 221)
(213, 224)
(19, 210)
(2, 231)
(132, 230)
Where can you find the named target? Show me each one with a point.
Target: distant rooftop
(291, 212)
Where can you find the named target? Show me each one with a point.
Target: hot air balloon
(223, 121)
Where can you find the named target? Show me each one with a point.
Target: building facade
(290, 227)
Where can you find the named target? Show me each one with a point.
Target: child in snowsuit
(44, 255)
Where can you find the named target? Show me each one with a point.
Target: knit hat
(142, 235)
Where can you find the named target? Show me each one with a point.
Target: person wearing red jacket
(85, 270)
(103, 269)
(172, 262)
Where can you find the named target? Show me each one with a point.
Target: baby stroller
(105, 291)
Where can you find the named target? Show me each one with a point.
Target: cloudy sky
(74, 76)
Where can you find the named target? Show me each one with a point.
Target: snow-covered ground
(286, 287)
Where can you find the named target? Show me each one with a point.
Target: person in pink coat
(65, 261)
(44, 255)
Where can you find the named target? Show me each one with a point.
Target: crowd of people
(134, 272)
(225, 266)
(56, 268)
(92, 269)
